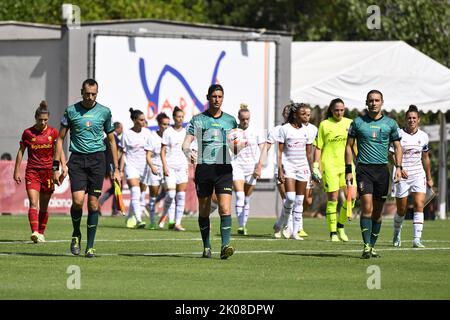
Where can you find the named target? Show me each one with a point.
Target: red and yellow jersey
(40, 146)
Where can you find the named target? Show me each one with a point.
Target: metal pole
(443, 168)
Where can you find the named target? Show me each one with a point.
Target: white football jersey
(154, 146)
(247, 158)
(312, 130)
(133, 144)
(412, 146)
(295, 141)
(173, 140)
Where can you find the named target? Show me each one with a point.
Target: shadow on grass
(160, 255)
(322, 255)
(37, 254)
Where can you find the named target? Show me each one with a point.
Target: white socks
(136, 203)
(298, 214)
(169, 205)
(246, 210)
(287, 208)
(179, 211)
(417, 225)
(240, 203)
(152, 209)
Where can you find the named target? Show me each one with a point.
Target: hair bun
(131, 110)
(43, 104)
(413, 108)
(243, 106)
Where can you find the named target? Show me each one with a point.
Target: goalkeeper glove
(316, 175)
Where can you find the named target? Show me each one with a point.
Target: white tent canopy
(322, 71)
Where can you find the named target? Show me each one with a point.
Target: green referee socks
(225, 229)
(204, 225)
(366, 229)
(76, 221)
(376, 227)
(92, 222)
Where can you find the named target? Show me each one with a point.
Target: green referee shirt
(373, 138)
(211, 134)
(87, 127)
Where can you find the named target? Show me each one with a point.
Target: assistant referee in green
(213, 172)
(373, 133)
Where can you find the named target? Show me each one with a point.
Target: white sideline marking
(216, 252)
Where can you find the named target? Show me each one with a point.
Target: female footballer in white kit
(294, 166)
(414, 179)
(154, 174)
(305, 115)
(133, 142)
(244, 164)
(175, 168)
(272, 139)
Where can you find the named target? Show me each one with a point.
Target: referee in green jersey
(373, 133)
(87, 121)
(213, 171)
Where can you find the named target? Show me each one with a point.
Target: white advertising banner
(156, 74)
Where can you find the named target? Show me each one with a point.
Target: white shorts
(239, 174)
(153, 179)
(297, 173)
(132, 172)
(405, 187)
(176, 176)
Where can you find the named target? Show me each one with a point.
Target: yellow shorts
(333, 181)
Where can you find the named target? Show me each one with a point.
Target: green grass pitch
(166, 265)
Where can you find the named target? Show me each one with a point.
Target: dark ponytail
(42, 109)
(331, 106)
(175, 110)
(135, 113)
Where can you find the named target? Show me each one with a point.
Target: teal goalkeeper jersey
(373, 138)
(87, 127)
(211, 134)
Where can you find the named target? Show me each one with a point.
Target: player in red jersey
(40, 141)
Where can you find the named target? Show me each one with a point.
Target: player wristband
(55, 165)
(348, 168)
(400, 167)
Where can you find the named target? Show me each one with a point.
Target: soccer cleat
(341, 234)
(397, 242)
(334, 238)
(206, 253)
(141, 225)
(41, 238)
(171, 225)
(75, 245)
(226, 252)
(302, 233)
(374, 254)
(152, 226)
(417, 244)
(366, 252)
(240, 231)
(286, 232)
(162, 222)
(34, 237)
(245, 231)
(131, 222)
(90, 253)
(296, 237)
(277, 234)
(178, 227)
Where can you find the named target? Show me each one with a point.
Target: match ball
(236, 137)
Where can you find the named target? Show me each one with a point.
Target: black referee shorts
(209, 177)
(86, 172)
(373, 179)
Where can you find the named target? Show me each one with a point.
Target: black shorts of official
(86, 172)
(373, 179)
(217, 177)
